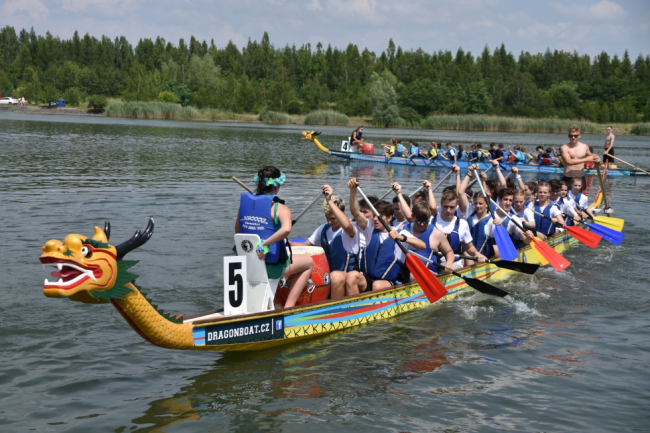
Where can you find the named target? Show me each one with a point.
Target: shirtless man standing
(609, 146)
(574, 155)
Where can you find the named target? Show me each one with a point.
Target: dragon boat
(347, 153)
(90, 270)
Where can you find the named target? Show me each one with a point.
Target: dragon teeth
(59, 265)
(60, 281)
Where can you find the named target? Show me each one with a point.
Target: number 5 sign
(234, 287)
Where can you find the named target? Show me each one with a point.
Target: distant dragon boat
(346, 153)
(90, 270)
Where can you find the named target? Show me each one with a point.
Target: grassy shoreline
(211, 115)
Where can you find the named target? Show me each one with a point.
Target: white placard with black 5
(234, 287)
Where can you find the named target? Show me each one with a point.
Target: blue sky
(588, 26)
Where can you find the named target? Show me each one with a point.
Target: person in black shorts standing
(608, 150)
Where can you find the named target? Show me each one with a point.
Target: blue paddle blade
(608, 234)
(507, 249)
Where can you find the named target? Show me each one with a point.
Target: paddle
(610, 222)
(526, 268)
(308, 207)
(540, 247)
(586, 237)
(507, 249)
(242, 184)
(608, 234)
(602, 189)
(474, 283)
(431, 286)
(625, 162)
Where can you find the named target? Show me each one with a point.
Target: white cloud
(547, 31)
(34, 8)
(603, 10)
(82, 5)
(314, 5)
(606, 10)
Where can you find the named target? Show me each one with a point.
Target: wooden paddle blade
(526, 268)
(612, 223)
(507, 249)
(554, 258)
(431, 286)
(484, 287)
(586, 237)
(608, 234)
(539, 255)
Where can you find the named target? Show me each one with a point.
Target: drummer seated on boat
(262, 214)
(435, 240)
(339, 238)
(382, 260)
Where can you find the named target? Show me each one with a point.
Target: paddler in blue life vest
(435, 240)
(382, 260)
(339, 238)
(262, 214)
(543, 205)
(455, 229)
(451, 153)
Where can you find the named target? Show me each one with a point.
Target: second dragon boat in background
(346, 153)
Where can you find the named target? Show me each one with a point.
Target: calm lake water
(570, 352)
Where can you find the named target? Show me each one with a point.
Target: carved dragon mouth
(69, 275)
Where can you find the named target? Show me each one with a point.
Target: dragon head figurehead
(90, 270)
(309, 135)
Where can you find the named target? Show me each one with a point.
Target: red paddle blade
(554, 258)
(586, 237)
(431, 286)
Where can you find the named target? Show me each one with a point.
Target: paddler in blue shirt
(262, 214)
(451, 153)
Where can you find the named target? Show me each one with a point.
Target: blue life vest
(482, 243)
(337, 257)
(427, 252)
(415, 151)
(400, 149)
(482, 155)
(255, 218)
(453, 237)
(450, 153)
(519, 156)
(460, 156)
(543, 225)
(379, 261)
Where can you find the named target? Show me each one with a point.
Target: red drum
(318, 285)
(368, 148)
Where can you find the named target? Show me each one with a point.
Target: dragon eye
(86, 252)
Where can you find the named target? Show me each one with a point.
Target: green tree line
(396, 84)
